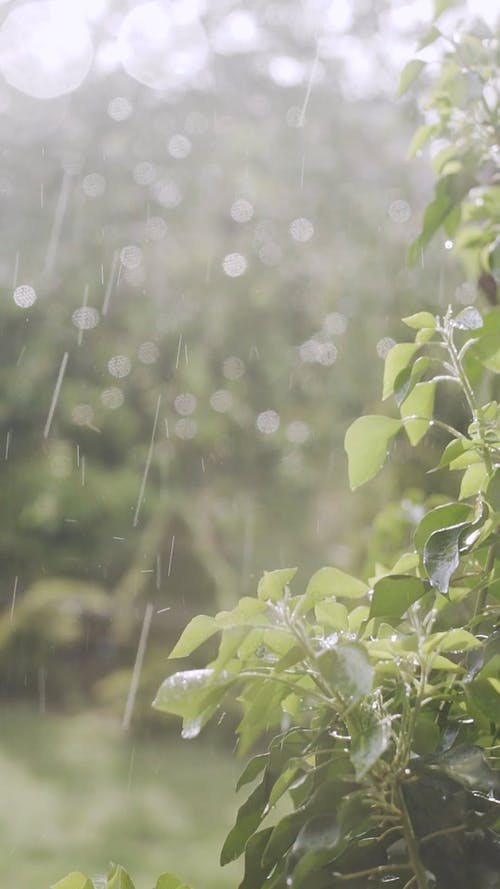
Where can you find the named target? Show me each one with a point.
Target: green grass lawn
(77, 792)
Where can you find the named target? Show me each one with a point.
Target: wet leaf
(485, 695)
(331, 582)
(272, 583)
(397, 359)
(367, 441)
(256, 870)
(369, 743)
(450, 640)
(419, 403)
(198, 630)
(393, 595)
(487, 350)
(347, 669)
(442, 555)
(419, 320)
(118, 878)
(441, 517)
(409, 377)
(74, 880)
(468, 765)
(253, 769)
(474, 481)
(282, 836)
(249, 816)
(408, 76)
(333, 615)
(189, 692)
(168, 881)
(468, 319)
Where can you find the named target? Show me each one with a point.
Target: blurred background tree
(200, 244)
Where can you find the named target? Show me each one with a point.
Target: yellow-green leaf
(396, 360)
(366, 442)
(272, 583)
(419, 403)
(408, 76)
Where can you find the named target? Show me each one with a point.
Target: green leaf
(198, 630)
(485, 695)
(333, 615)
(256, 870)
(454, 449)
(397, 359)
(487, 350)
(272, 583)
(168, 881)
(441, 6)
(429, 37)
(441, 517)
(393, 595)
(253, 769)
(329, 582)
(409, 377)
(74, 880)
(314, 847)
(250, 814)
(283, 836)
(408, 76)
(419, 403)
(467, 764)
(247, 612)
(347, 669)
(473, 481)
(435, 214)
(442, 554)
(366, 442)
(118, 878)
(419, 320)
(450, 640)
(189, 692)
(369, 742)
(422, 135)
(468, 319)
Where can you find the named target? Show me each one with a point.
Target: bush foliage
(376, 702)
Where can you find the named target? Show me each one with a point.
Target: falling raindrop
(82, 415)
(241, 210)
(399, 211)
(179, 146)
(186, 428)
(144, 173)
(185, 403)
(221, 401)
(85, 318)
(93, 185)
(148, 353)
(301, 229)
(131, 256)
(268, 422)
(112, 397)
(233, 368)
(24, 296)
(234, 265)
(384, 346)
(119, 366)
(120, 108)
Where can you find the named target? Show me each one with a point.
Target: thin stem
(442, 833)
(411, 842)
(483, 593)
(373, 871)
